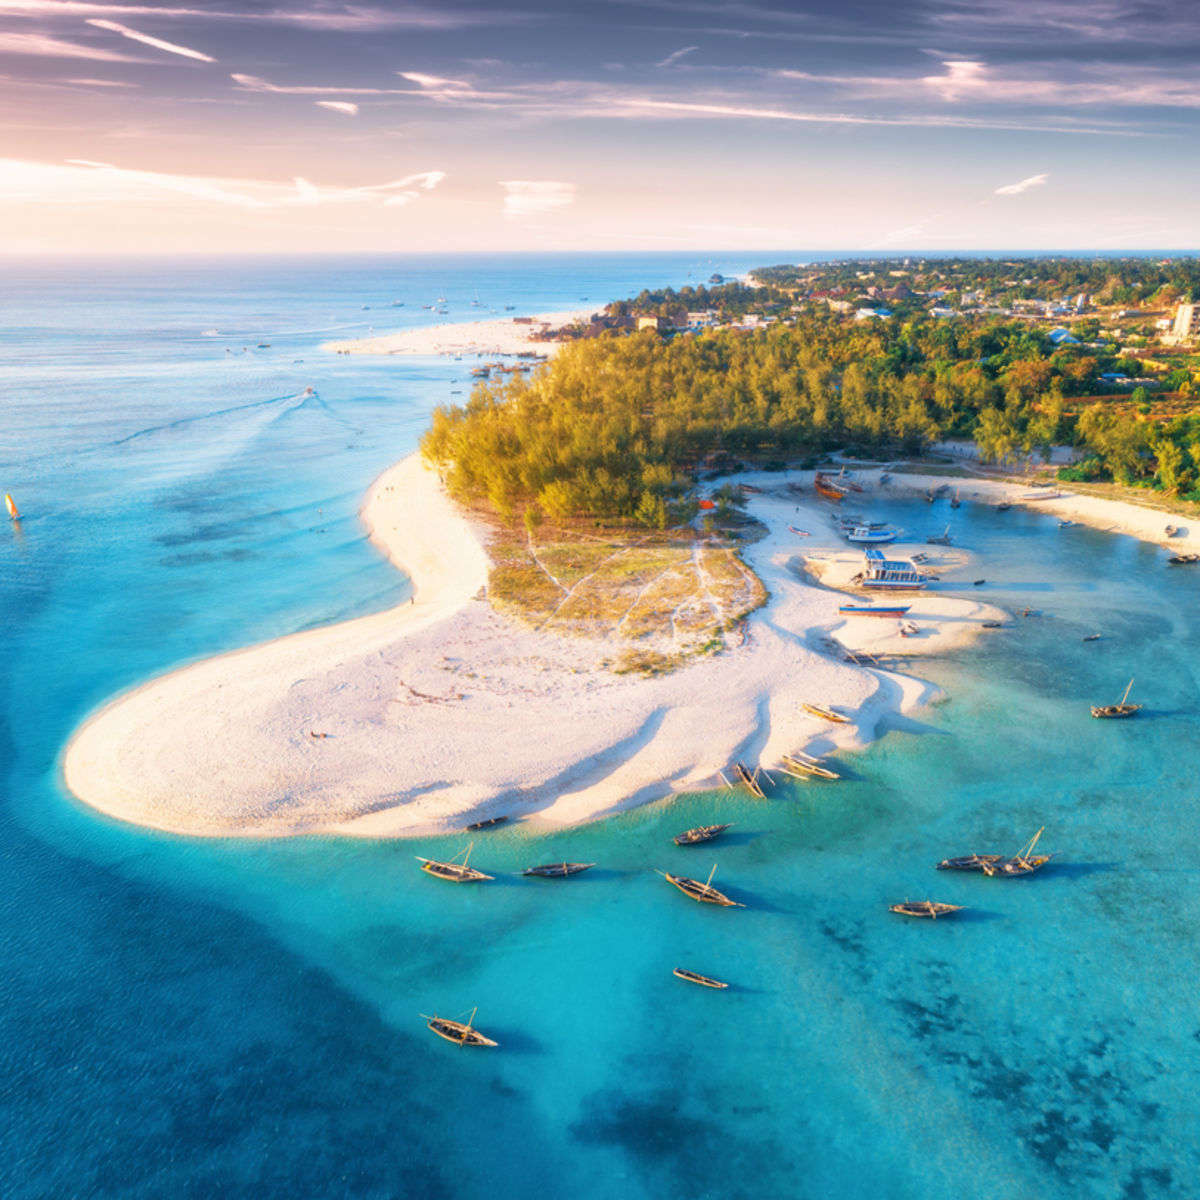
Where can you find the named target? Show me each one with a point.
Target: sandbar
(443, 711)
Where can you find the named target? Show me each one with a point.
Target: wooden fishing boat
(827, 489)
(455, 872)
(925, 908)
(1120, 709)
(1175, 559)
(693, 977)
(968, 862)
(956, 501)
(749, 779)
(704, 892)
(558, 870)
(805, 766)
(940, 539)
(799, 532)
(872, 610)
(488, 822)
(992, 625)
(702, 833)
(11, 505)
(1092, 637)
(1171, 530)
(1003, 506)
(1024, 862)
(462, 1033)
(826, 714)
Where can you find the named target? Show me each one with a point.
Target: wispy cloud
(50, 47)
(147, 40)
(259, 194)
(1015, 189)
(674, 58)
(528, 197)
(339, 106)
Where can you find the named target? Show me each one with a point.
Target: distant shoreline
(491, 336)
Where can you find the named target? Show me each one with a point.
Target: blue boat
(889, 574)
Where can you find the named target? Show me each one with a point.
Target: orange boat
(827, 489)
(10, 504)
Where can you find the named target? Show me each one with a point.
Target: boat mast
(711, 873)
(1126, 696)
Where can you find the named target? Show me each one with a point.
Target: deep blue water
(192, 1018)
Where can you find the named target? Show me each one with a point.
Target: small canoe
(799, 532)
(1174, 560)
(925, 908)
(992, 625)
(1092, 637)
(693, 977)
(460, 1033)
(488, 823)
(704, 892)
(557, 870)
(703, 833)
(826, 714)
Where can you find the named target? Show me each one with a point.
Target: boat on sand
(825, 714)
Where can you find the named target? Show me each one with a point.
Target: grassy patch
(665, 596)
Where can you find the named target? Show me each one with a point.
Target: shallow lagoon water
(241, 1017)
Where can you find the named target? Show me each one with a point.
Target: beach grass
(670, 594)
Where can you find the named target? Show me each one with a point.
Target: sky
(870, 125)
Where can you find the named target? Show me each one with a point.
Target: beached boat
(1120, 709)
(462, 1033)
(825, 714)
(806, 766)
(894, 575)
(925, 908)
(939, 539)
(704, 892)
(862, 533)
(455, 872)
(693, 977)
(799, 532)
(702, 833)
(1065, 524)
(968, 862)
(1175, 559)
(1003, 506)
(1024, 862)
(956, 501)
(11, 505)
(829, 490)
(488, 822)
(557, 870)
(872, 610)
(908, 629)
(750, 779)
(1171, 530)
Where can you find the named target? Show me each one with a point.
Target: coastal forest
(620, 424)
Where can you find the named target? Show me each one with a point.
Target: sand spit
(442, 711)
(494, 336)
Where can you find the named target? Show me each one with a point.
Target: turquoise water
(241, 1018)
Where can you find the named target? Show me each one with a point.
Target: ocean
(242, 1018)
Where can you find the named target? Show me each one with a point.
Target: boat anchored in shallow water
(1024, 862)
(460, 1032)
(704, 892)
(863, 533)
(558, 870)
(1120, 709)
(455, 872)
(694, 977)
(702, 833)
(925, 908)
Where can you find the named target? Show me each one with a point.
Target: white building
(1187, 321)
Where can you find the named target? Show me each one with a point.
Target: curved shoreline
(441, 711)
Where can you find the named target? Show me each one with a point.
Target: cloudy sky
(598, 124)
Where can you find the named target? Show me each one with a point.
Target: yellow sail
(10, 504)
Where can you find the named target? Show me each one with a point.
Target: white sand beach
(441, 711)
(494, 336)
